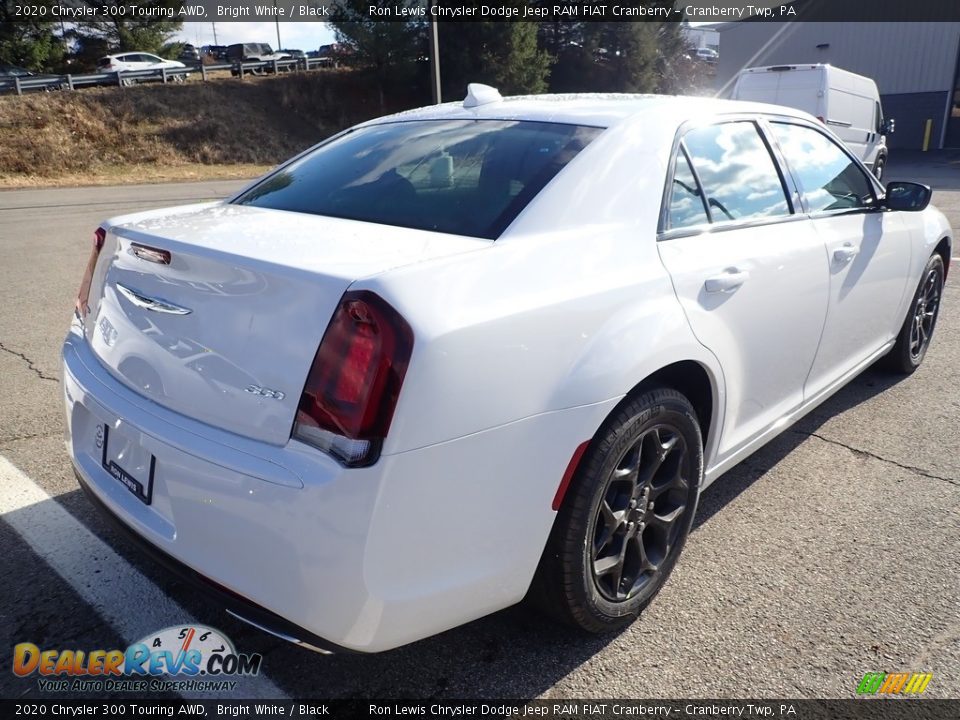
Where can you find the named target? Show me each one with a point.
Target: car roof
(595, 109)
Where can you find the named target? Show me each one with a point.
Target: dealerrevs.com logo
(175, 659)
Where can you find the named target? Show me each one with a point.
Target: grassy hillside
(225, 128)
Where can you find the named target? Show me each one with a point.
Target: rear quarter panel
(570, 307)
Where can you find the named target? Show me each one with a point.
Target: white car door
(868, 248)
(750, 273)
(136, 61)
(152, 62)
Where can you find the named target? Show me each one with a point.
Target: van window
(829, 179)
(737, 172)
(686, 200)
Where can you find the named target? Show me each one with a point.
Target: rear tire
(917, 330)
(625, 517)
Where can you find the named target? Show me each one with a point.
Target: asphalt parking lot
(829, 553)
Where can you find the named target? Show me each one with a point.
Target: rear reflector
(354, 384)
(568, 475)
(83, 295)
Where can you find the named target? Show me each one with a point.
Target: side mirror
(908, 196)
(888, 126)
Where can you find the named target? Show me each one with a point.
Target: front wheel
(917, 330)
(878, 167)
(626, 515)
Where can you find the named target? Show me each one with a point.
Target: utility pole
(434, 57)
(276, 19)
(215, 33)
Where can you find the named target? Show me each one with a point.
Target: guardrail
(123, 78)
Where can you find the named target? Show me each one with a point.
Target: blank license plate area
(128, 462)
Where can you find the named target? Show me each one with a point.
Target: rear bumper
(362, 559)
(235, 604)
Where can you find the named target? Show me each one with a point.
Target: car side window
(686, 200)
(737, 172)
(829, 179)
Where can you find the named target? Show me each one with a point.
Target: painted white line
(131, 603)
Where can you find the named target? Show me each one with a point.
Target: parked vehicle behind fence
(253, 52)
(12, 72)
(130, 61)
(189, 54)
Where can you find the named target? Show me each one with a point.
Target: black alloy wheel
(639, 519)
(925, 313)
(625, 516)
(915, 335)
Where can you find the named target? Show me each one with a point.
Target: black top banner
(702, 11)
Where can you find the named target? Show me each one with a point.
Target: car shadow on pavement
(871, 382)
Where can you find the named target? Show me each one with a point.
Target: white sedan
(480, 351)
(130, 61)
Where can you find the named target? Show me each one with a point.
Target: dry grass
(226, 128)
(135, 174)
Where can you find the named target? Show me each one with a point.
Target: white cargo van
(847, 103)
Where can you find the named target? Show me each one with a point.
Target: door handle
(728, 281)
(845, 254)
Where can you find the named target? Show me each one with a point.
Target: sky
(304, 36)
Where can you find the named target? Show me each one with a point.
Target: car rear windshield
(465, 177)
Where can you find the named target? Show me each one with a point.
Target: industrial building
(916, 66)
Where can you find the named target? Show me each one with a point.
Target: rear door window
(466, 177)
(737, 173)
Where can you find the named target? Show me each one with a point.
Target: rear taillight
(352, 390)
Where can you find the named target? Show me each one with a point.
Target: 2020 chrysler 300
(461, 355)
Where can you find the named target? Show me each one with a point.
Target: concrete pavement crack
(33, 436)
(866, 453)
(30, 364)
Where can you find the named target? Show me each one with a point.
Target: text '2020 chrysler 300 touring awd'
(480, 351)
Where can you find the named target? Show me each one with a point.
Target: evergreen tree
(621, 56)
(150, 33)
(31, 44)
(391, 50)
(502, 54)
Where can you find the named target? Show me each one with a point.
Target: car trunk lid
(216, 311)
